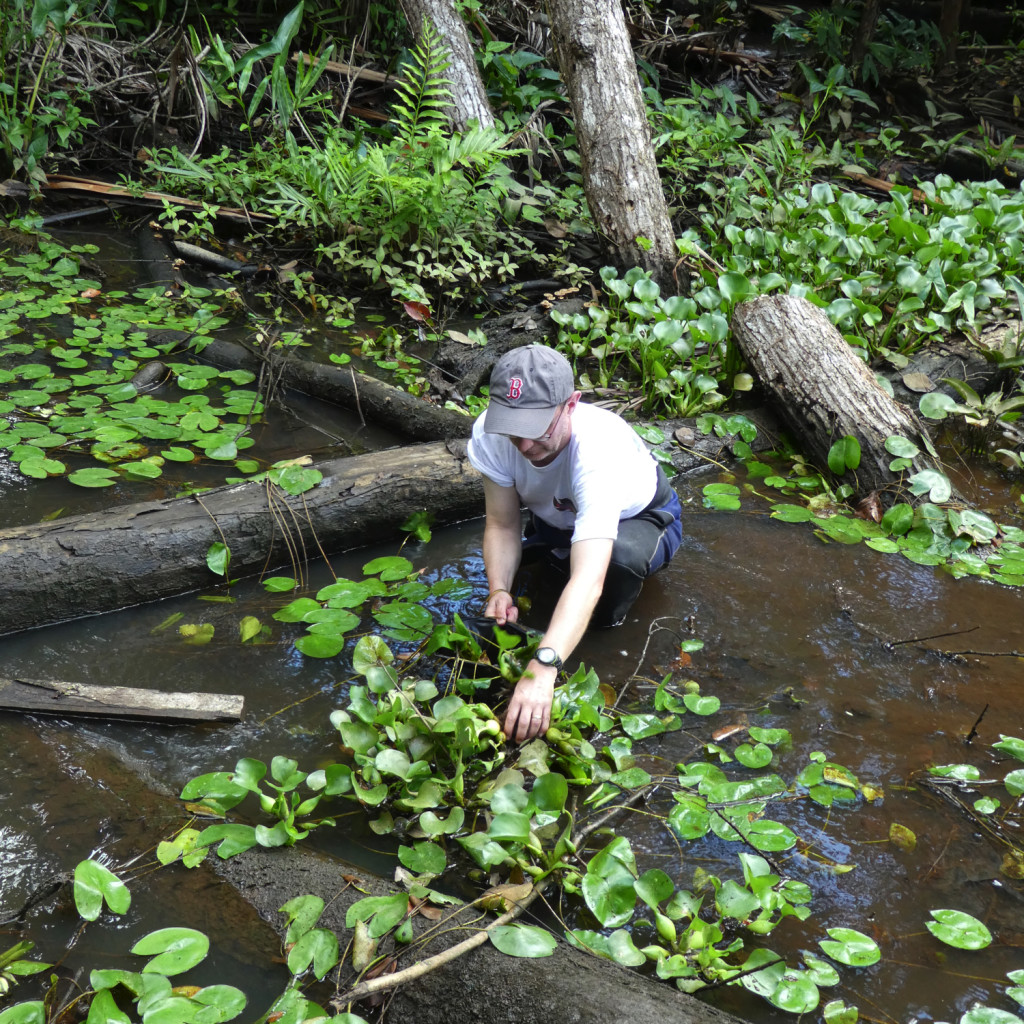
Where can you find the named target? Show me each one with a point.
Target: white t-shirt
(605, 474)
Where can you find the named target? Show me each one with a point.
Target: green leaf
(1011, 745)
(93, 476)
(844, 455)
(218, 557)
(701, 705)
(317, 948)
(176, 950)
(989, 1015)
(933, 483)
(33, 1012)
(94, 885)
(958, 929)
(522, 940)
(851, 947)
(389, 568)
(796, 992)
(423, 858)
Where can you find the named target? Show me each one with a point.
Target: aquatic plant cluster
(425, 761)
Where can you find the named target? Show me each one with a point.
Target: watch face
(547, 656)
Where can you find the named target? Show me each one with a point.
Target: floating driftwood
(57, 698)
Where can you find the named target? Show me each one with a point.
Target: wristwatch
(549, 656)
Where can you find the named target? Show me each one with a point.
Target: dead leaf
(919, 382)
(902, 837)
(726, 731)
(503, 898)
(462, 339)
(869, 507)
(364, 947)
(418, 311)
(91, 293)
(556, 228)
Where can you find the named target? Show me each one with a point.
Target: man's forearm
(503, 549)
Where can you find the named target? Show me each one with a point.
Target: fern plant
(423, 92)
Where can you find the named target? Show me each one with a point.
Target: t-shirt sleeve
(485, 458)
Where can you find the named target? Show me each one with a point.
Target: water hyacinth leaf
(317, 948)
(434, 825)
(389, 568)
(851, 947)
(381, 913)
(371, 651)
(963, 772)
(837, 1012)
(796, 992)
(722, 497)
(959, 929)
(608, 884)
(233, 838)
(32, 1012)
(701, 705)
(1012, 745)
(989, 1015)
(933, 483)
(618, 946)
(176, 950)
(1014, 782)
(986, 805)
(96, 884)
(1016, 993)
(226, 1000)
(102, 1010)
(522, 940)
(654, 887)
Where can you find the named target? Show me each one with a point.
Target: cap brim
(528, 423)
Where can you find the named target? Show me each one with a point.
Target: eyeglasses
(543, 437)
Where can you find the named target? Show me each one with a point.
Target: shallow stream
(795, 635)
(818, 638)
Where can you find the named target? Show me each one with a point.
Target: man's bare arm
(529, 711)
(503, 548)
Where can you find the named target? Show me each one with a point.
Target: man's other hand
(529, 711)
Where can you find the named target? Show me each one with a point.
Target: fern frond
(423, 93)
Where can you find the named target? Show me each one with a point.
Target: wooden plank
(57, 698)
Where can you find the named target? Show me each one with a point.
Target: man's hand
(502, 607)
(529, 711)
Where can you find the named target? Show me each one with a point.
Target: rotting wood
(823, 390)
(41, 696)
(117, 558)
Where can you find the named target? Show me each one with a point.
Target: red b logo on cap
(515, 387)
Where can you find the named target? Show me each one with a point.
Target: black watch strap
(549, 656)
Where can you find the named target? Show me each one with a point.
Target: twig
(355, 388)
(890, 644)
(974, 728)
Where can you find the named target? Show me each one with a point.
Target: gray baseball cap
(527, 385)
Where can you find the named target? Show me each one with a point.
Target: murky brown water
(797, 634)
(794, 634)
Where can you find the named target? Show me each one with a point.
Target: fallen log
(121, 557)
(42, 696)
(823, 391)
(344, 386)
(482, 985)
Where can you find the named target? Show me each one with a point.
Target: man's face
(541, 451)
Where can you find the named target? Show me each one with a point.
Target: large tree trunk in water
(469, 101)
(620, 173)
(483, 986)
(122, 557)
(823, 390)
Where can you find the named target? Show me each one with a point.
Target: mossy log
(121, 557)
(483, 985)
(823, 390)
